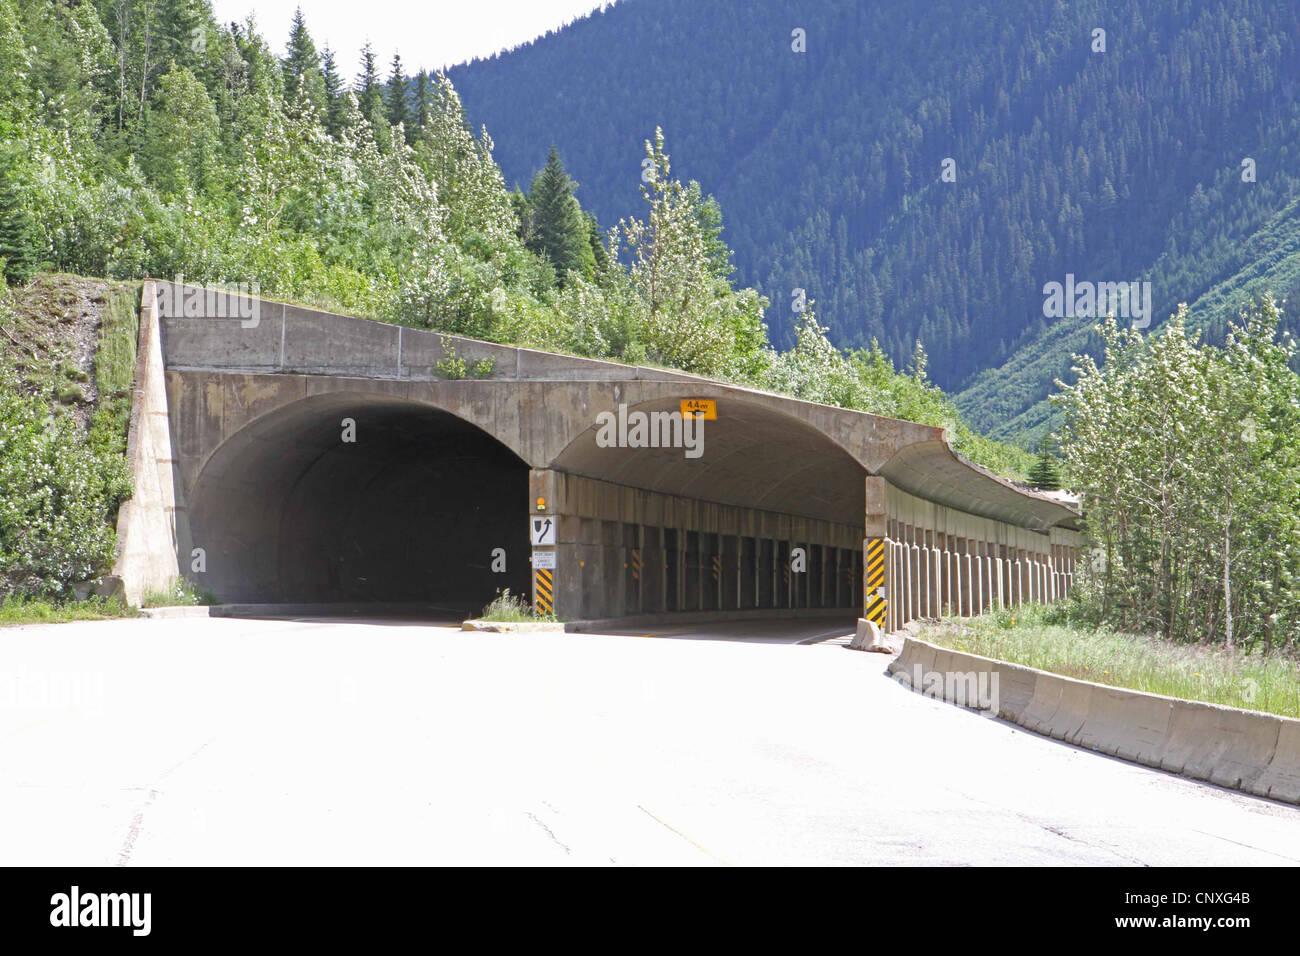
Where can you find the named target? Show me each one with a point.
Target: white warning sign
(542, 529)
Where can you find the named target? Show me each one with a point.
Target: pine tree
(302, 66)
(18, 239)
(559, 230)
(333, 85)
(399, 112)
(423, 100)
(369, 97)
(1045, 475)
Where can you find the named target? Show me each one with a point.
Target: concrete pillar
(932, 575)
(968, 588)
(914, 577)
(954, 582)
(875, 526)
(958, 597)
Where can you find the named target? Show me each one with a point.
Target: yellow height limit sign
(705, 408)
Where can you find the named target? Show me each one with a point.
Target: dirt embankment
(50, 332)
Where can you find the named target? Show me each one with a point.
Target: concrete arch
(752, 456)
(287, 510)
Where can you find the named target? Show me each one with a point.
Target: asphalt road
(219, 741)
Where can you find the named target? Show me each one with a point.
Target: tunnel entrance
(359, 501)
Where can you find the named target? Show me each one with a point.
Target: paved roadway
(219, 741)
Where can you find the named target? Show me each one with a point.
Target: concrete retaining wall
(147, 524)
(1245, 750)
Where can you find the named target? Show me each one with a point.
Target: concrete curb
(512, 627)
(1244, 750)
(176, 611)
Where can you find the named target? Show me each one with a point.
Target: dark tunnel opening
(419, 507)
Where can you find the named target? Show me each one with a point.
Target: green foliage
(184, 146)
(1125, 165)
(1045, 475)
(555, 226)
(1188, 459)
(16, 610)
(57, 497)
(514, 609)
(1063, 639)
(115, 371)
(19, 240)
(181, 593)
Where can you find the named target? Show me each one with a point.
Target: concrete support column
(914, 575)
(875, 527)
(968, 579)
(958, 598)
(958, 608)
(1017, 579)
(936, 573)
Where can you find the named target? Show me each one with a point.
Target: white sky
(433, 34)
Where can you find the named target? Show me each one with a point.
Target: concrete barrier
(1245, 750)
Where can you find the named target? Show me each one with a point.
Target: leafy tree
(685, 323)
(183, 139)
(1186, 455)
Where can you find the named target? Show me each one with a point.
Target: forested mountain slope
(1122, 164)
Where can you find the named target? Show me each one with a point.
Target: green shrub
(58, 497)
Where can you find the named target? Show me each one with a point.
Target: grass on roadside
(1054, 639)
(181, 593)
(17, 610)
(513, 609)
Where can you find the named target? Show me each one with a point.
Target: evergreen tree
(558, 230)
(18, 237)
(1045, 475)
(333, 86)
(423, 106)
(302, 67)
(395, 94)
(369, 97)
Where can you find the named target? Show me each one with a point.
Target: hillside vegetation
(1112, 158)
(141, 138)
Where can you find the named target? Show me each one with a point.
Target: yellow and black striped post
(874, 599)
(636, 565)
(544, 590)
(717, 567)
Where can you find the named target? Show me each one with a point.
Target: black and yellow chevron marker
(717, 567)
(636, 564)
(877, 605)
(545, 591)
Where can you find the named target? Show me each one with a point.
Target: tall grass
(115, 368)
(512, 608)
(1061, 640)
(15, 610)
(181, 593)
